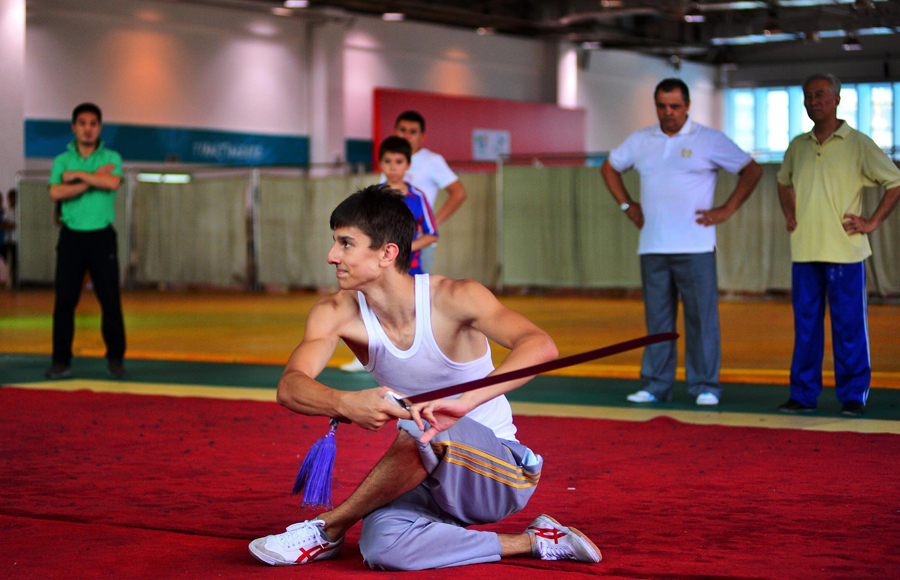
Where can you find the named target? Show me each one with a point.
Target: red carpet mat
(99, 485)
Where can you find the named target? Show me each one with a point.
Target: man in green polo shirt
(820, 185)
(85, 179)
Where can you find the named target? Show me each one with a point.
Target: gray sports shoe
(301, 544)
(550, 540)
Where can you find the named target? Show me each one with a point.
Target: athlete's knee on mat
(385, 543)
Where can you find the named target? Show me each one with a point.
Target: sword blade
(541, 368)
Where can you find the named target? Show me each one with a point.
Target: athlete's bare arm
(298, 390)
(475, 311)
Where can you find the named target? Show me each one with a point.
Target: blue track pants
(844, 285)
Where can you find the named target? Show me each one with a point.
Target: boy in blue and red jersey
(394, 159)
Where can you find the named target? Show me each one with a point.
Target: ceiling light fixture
(694, 15)
(296, 3)
(485, 30)
(851, 43)
(393, 17)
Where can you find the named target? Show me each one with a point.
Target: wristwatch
(625, 206)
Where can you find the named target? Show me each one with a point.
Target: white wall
(182, 65)
(438, 59)
(12, 92)
(617, 92)
(152, 63)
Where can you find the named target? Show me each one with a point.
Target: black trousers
(8, 252)
(76, 253)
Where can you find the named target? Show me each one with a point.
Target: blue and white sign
(44, 138)
(489, 144)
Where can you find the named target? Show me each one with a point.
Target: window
(743, 119)
(849, 108)
(882, 113)
(764, 120)
(777, 120)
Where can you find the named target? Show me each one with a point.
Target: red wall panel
(449, 121)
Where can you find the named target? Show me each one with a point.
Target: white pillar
(326, 92)
(567, 77)
(12, 90)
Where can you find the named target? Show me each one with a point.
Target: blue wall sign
(47, 139)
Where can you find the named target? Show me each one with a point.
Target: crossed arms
(74, 183)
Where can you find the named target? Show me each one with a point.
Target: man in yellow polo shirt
(819, 186)
(84, 179)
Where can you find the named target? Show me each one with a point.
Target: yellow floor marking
(711, 418)
(208, 392)
(814, 423)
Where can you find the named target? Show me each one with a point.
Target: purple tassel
(314, 477)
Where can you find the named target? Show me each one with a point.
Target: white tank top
(423, 367)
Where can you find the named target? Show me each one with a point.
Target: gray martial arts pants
(474, 478)
(693, 276)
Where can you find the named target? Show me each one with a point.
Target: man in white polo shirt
(678, 161)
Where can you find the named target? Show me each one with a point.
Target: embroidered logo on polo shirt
(686, 153)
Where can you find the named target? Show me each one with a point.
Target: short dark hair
(413, 116)
(87, 108)
(379, 212)
(394, 144)
(669, 85)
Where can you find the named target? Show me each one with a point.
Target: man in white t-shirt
(678, 161)
(429, 173)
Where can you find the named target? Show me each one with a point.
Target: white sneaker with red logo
(301, 544)
(550, 540)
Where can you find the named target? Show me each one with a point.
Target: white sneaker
(301, 544)
(550, 540)
(642, 397)
(707, 400)
(353, 367)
